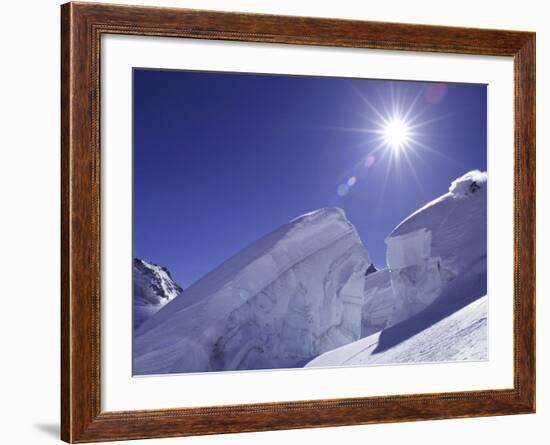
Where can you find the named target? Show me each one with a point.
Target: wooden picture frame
(82, 26)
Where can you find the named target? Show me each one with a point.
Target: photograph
(292, 221)
(276, 222)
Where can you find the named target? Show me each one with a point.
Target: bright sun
(396, 133)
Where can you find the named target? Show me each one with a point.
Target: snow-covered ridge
(285, 246)
(439, 246)
(468, 184)
(309, 287)
(153, 287)
(285, 299)
(430, 304)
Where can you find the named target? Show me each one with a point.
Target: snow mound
(468, 184)
(288, 297)
(461, 336)
(441, 247)
(153, 288)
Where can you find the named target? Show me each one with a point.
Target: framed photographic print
(278, 222)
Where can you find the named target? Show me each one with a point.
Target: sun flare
(396, 128)
(396, 133)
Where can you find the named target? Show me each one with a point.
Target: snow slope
(153, 288)
(460, 336)
(430, 303)
(439, 247)
(288, 297)
(310, 287)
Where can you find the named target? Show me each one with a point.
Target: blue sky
(221, 159)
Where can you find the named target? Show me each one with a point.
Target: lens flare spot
(343, 190)
(435, 93)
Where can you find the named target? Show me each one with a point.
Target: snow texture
(288, 297)
(437, 267)
(462, 336)
(439, 247)
(379, 302)
(153, 288)
(468, 184)
(310, 287)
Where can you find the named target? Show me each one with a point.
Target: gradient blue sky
(221, 159)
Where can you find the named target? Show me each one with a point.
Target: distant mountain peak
(153, 288)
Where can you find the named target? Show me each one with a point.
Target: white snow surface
(462, 336)
(288, 297)
(153, 288)
(303, 290)
(379, 302)
(467, 184)
(440, 248)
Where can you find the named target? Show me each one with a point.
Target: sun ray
(431, 150)
(413, 104)
(413, 171)
(384, 183)
(429, 121)
(369, 104)
(396, 130)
